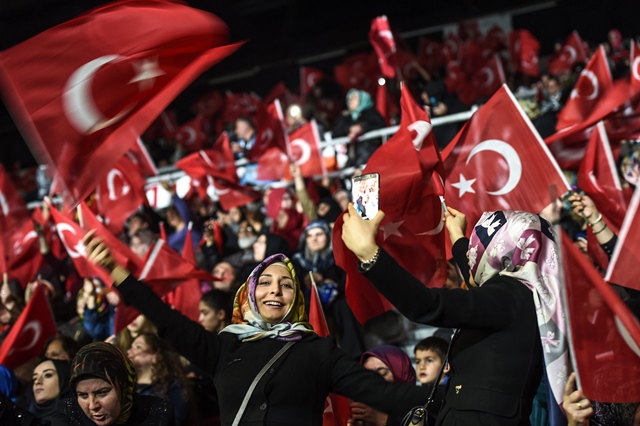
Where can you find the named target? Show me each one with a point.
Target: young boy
(430, 354)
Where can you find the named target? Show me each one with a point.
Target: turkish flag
(431, 55)
(216, 162)
(489, 78)
(270, 132)
(186, 297)
(273, 165)
(384, 45)
(164, 270)
(29, 333)
(281, 93)
(23, 252)
(592, 86)
(455, 79)
(192, 135)
(598, 178)
(121, 252)
(495, 40)
(83, 92)
(382, 102)
(208, 104)
(13, 210)
(635, 65)
(120, 193)
(71, 236)
(305, 150)
(469, 30)
(140, 156)
(452, 46)
(605, 335)
(232, 194)
(309, 77)
(359, 71)
(498, 162)
(524, 50)
(626, 255)
(412, 231)
(240, 105)
(572, 52)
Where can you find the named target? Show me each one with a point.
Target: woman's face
(353, 102)
(316, 240)
(274, 293)
(140, 353)
(375, 364)
(55, 351)
(210, 318)
(135, 325)
(46, 385)
(99, 401)
(234, 215)
(260, 248)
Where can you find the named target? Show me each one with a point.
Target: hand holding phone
(365, 193)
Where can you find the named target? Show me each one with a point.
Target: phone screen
(365, 193)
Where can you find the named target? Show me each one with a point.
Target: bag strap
(268, 365)
(444, 364)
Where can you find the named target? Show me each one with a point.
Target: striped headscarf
(248, 325)
(105, 361)
(522, 245)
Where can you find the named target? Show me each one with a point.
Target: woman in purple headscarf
(393, 365)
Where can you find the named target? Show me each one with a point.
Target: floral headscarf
(523, 246)
(396, 359)
(105, 361)
(248, 325)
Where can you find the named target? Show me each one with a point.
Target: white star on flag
(464, 185)
(392, 228)
(146, 72)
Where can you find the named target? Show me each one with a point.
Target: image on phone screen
(365, 193)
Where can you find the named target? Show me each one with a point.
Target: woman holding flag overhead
(268, 366)
(509, 321)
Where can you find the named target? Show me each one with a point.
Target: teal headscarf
(364, 102)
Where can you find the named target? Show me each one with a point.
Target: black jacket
(293, 391)
(496, 359)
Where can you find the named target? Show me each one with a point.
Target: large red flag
(489, 78)
(626, 255)
(384, 45)
(592, 86)
(598, 177)
(604, 334)
(186, 297)
(635, 65)
(29, 333)
(270, 132)
(572, 52)
(524, 50)
(498, 162)
(192, 135)
(309, 77)
(410, 197)
(71, 236)
(120, 193)
(83, 91)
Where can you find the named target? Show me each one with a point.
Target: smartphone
(365, 193)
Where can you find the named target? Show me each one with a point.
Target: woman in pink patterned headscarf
(510, 320)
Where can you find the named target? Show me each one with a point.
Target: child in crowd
(430, 354)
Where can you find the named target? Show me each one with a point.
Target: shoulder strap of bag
(268, 365)
(444, 364)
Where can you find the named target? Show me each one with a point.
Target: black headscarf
(105, 361)
(45, 411)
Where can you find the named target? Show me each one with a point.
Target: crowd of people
(253, 358)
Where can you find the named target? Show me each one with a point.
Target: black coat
(147, 411)
(370, 119)
(496, 359)
(293, 391)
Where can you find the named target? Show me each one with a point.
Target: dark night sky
(282, 31)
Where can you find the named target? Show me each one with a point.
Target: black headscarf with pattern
(105, 361)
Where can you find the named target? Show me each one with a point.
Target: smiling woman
(252, 374)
